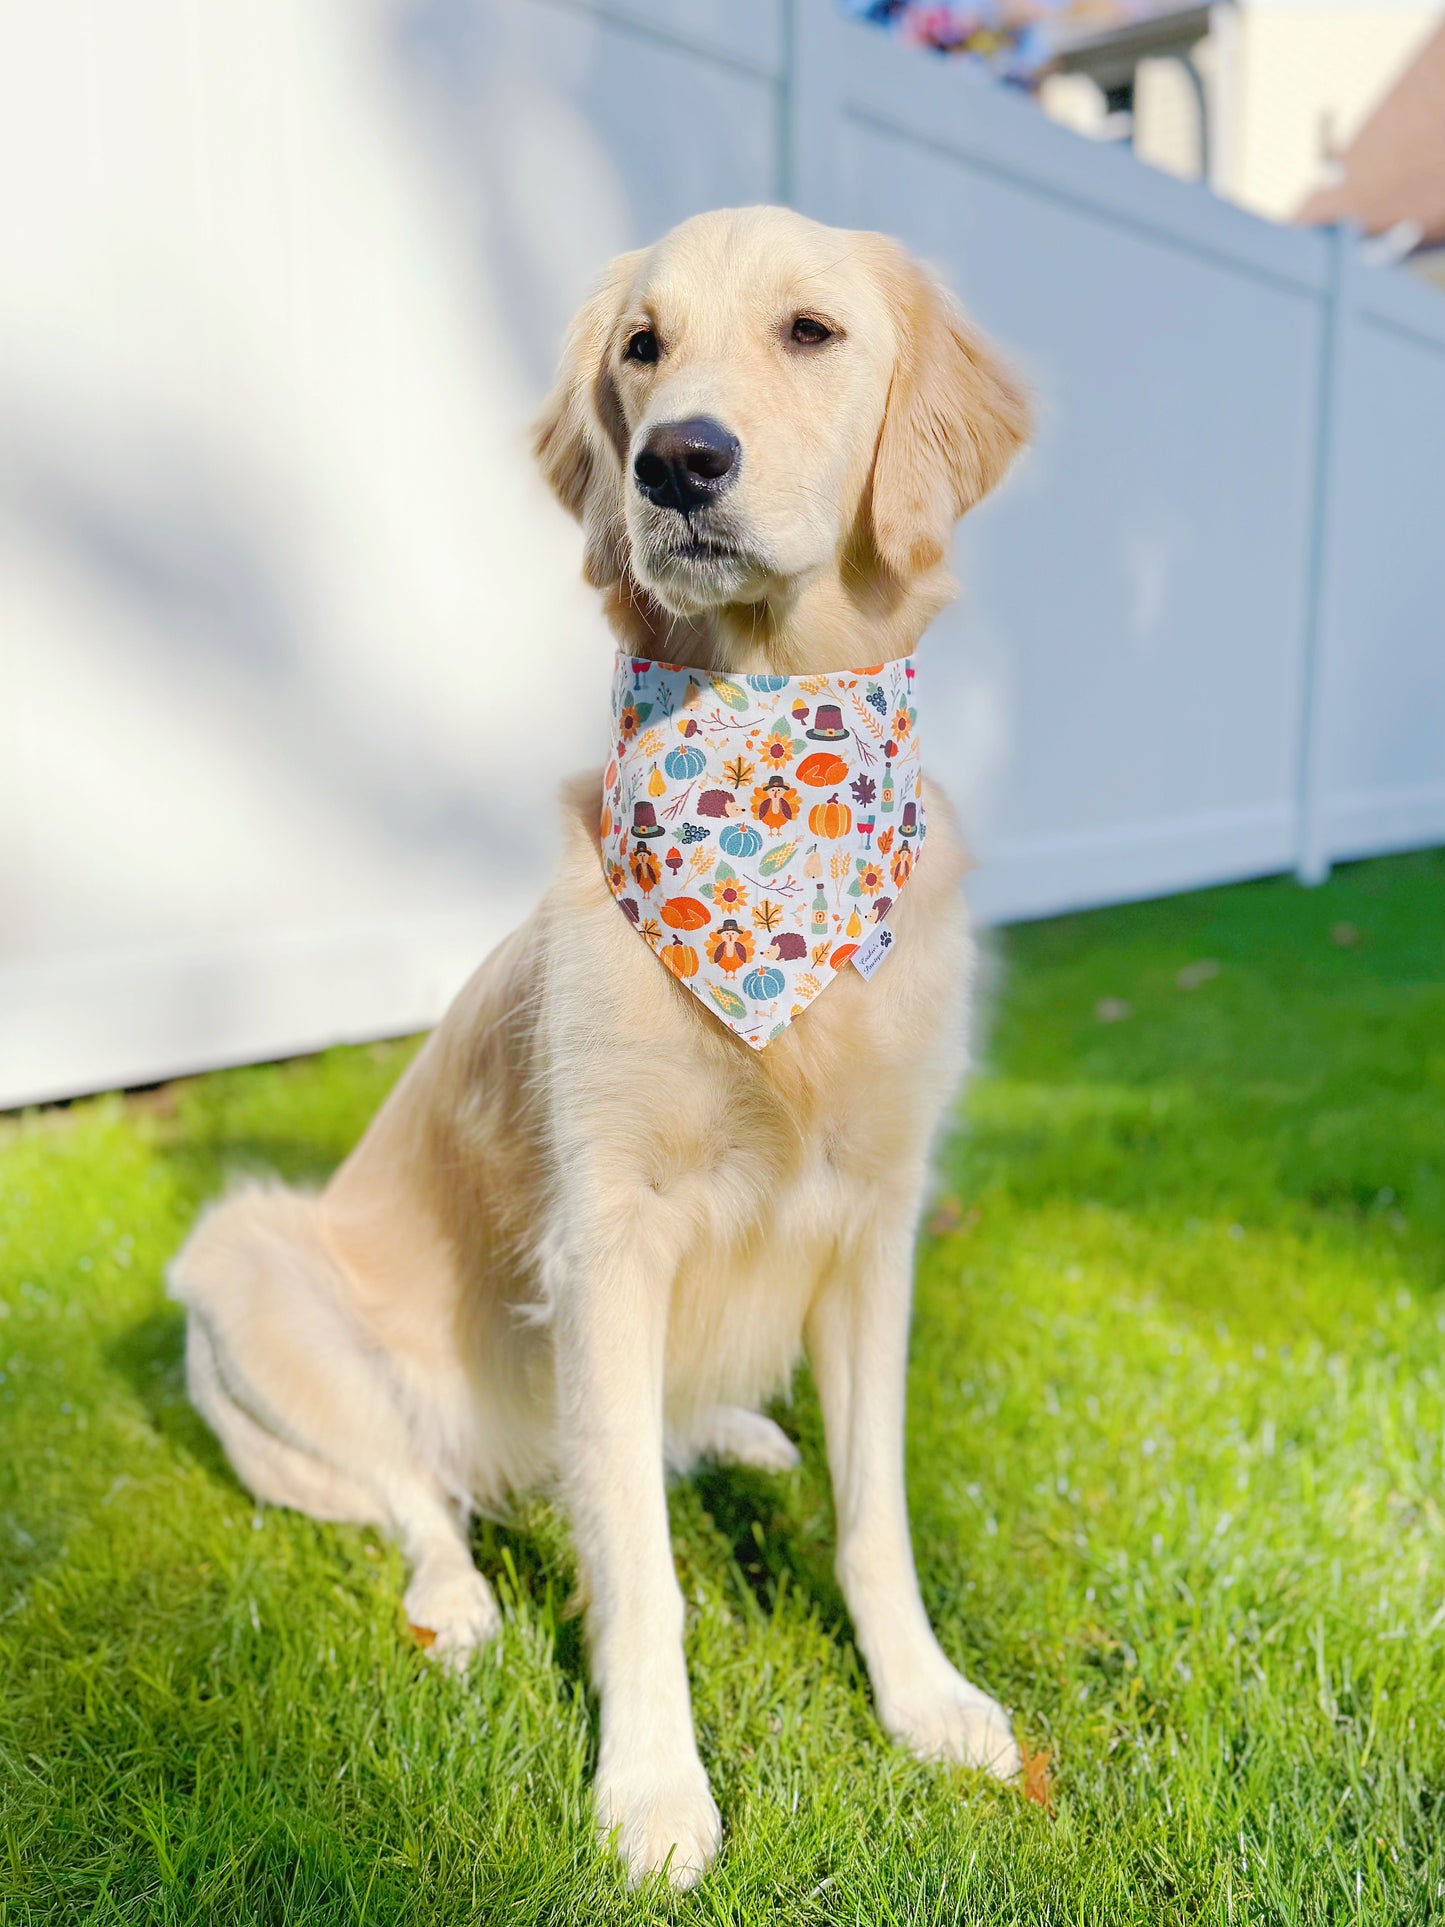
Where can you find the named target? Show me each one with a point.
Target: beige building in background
(1287, 86)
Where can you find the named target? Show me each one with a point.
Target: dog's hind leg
(274, 1470)
(308, 1412)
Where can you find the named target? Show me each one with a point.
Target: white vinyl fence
(280, 597)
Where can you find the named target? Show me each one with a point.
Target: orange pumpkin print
(831, 819)
(822, 770)
(685, 913)
(680, 957)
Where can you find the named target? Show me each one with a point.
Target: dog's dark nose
(685, 465)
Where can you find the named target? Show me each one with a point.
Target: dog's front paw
(946, 1718)
(454, 1604)
(735, 1436)
(669, 1826)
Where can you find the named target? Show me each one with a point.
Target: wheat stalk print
(865, 716)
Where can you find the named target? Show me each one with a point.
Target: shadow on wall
(167, 529)
(291, 608)
(518, 107)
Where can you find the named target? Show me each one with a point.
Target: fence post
(785, 186)
(1312, 859)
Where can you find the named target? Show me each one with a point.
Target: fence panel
(282, 288)
(1115, 701)
(1379, 713)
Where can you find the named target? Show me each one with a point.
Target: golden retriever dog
(587, 1235)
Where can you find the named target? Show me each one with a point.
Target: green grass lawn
(1176, 1447)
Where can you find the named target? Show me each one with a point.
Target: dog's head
(758, 401)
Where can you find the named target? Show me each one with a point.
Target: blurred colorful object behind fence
(1015, 39)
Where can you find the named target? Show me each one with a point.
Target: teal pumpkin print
(768, 685)
(764, 983)
(741, 839)
(685, 761)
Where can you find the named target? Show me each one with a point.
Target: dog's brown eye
(643, 346)
(808, 333)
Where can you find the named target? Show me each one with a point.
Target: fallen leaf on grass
(423, 1635)
(949, 1215)
(154, 1100)
(1038, 1779)
(1195, 974)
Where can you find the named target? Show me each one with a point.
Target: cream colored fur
(588, 1234)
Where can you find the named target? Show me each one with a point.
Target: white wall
(280, 595)
(280, 288)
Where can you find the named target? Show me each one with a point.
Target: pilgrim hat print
(909, 825)
(644, 821)
(828, 724)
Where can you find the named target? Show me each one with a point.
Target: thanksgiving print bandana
(756, 830)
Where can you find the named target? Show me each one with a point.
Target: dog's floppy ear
(955, 419)
(580, 438)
